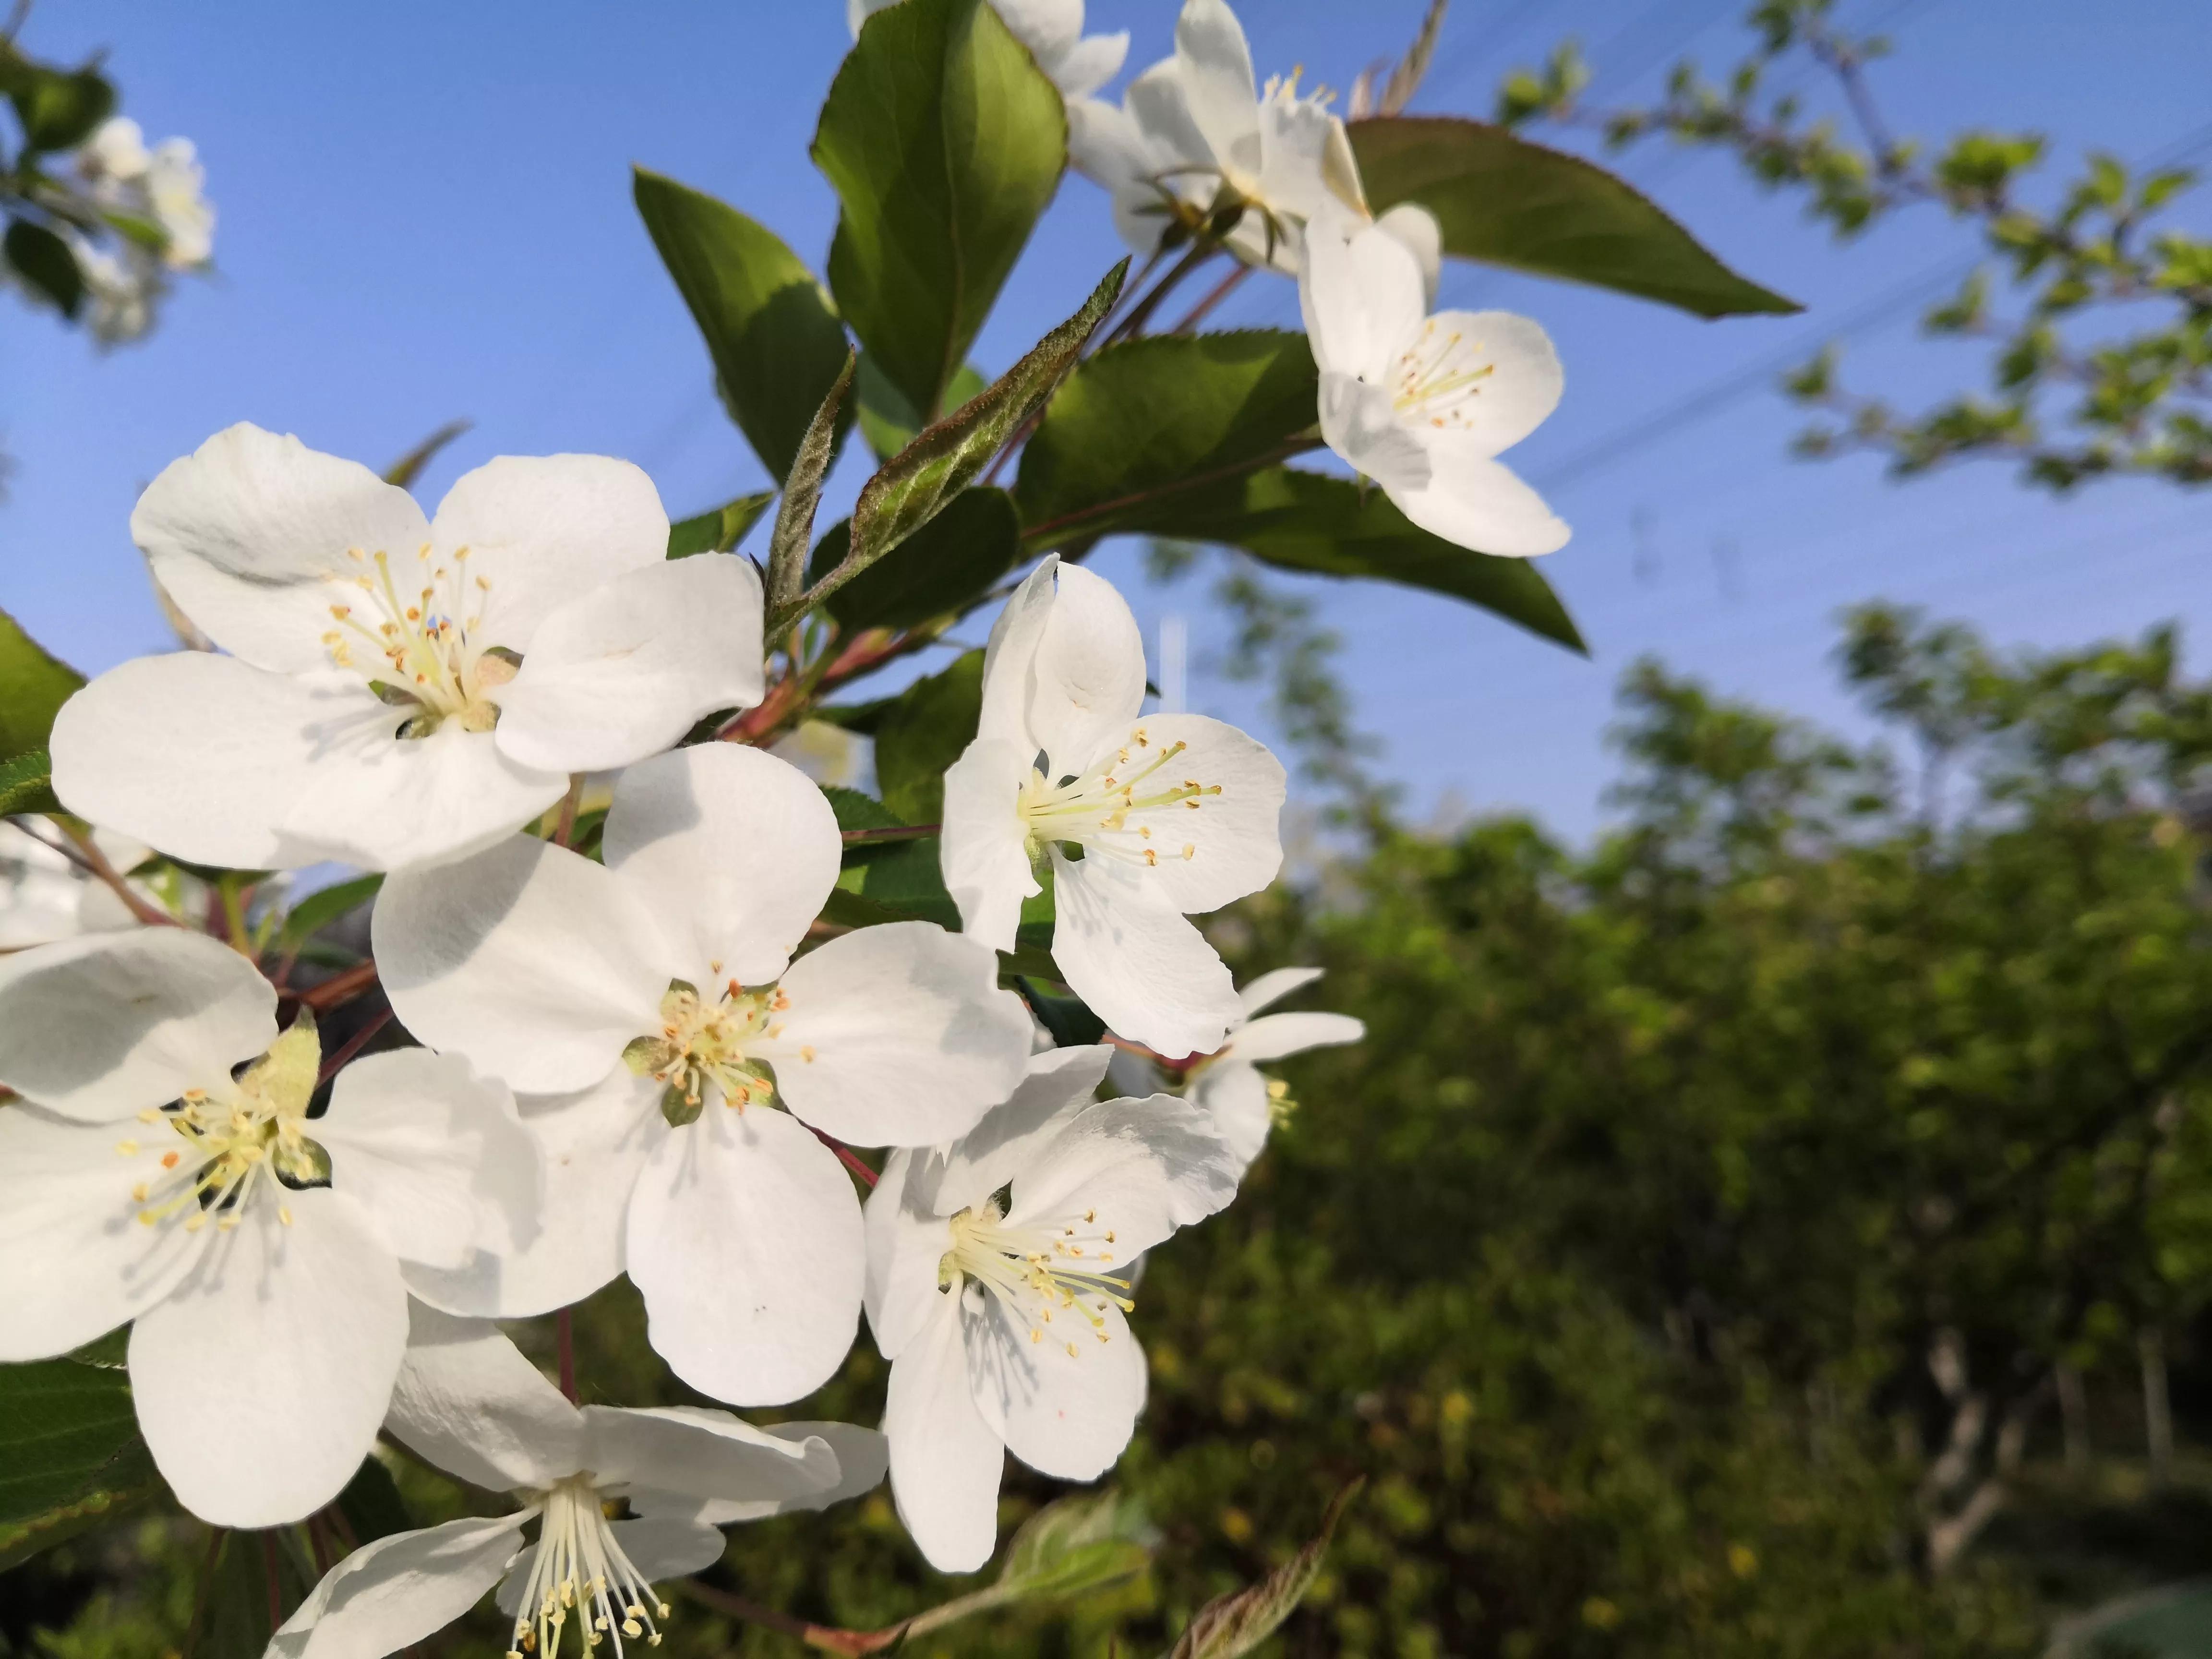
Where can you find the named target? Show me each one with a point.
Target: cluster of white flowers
(653, 1061)
(160, 191)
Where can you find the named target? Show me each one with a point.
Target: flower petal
(1277, 1036)
(745, 1238)
(1215, 67)
(1010, 659)
(1272, 987)
(1060, 1083)
(906, 1241)
(1479, 504)
(529, 959)
(624, 670)
(1235, 1096)
(1360, 422)
(1415, 228)
(435, 1154)
(1087, 680)
(542, 529)
(731, 849)
(1522, 380)
(100, 1028)
(392, 1592)
(81, 1262)
(307, 1322)
(663, 1547)
(1360, 292)
(1090, 63)
(1217, 847)
(1069, 1402)
(1144, 1167)
(468, 1400)
(249, 534)
(983, 849)
(898, 1035)
(863, 1455)
(1145, 969)
(945, 1461)
(692, 1452)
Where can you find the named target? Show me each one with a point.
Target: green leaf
(44, 260)
(1329, 527)
(70, 1454)
(861, 717)
(719, 529)
(775, 339)
(242, 1597)
(923, 732)
(856, 811)
(322, 907)
(1081, 1544)
(944, 567)
(802, 494)
(1141, 419)
(1238, 1623)
(1068, 1018)
(902, 876)
(888, 421)
(27, 784)
(372, 1504)
(915, 485)
(1507, 202)
(943, 141)
(59, 109)
(33, 685)
(409, 467)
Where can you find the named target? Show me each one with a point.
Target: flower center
(1117, 807)
(1036, 1271)
(579, 1567)
(1439, 376)
(254, 1134)
(428, 651)
(702, 1042)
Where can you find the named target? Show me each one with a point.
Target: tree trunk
(2158, 1412)
(2074, 1416)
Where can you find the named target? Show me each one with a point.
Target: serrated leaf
(775, 339)
(943, 141)
(720, 529)
(888, 421)
(1507, 202)
(1079, 1545)
(44, 261)
(27, 784)
(70, 1454)
(922, 733)
(915, 485)
(1238, 1623)
(322, 907)
(409, 467)
(788, 542)
(1140, 421)
(856, 811)
(902, 876)
(943, 567)
(33, 685)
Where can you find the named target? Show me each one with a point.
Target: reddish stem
(891, 832)
(847, 1156)
(269, 1571)
(825, 1637)
(1220, 291)
(353, 1045)
(337, 988)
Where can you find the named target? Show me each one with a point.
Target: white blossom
(469, 1402)
(164, 184)
(1422, 404)
(1078, 64)
(44, 897)
(656, 995)
(396, 689)
(264, 1256)
(1142, 822)
(1003, 1319)
(1195, 135)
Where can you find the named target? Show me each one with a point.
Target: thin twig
(215, 1535)
(825, 1637)
(339, 988)
(1141, 312)
(847, 1156)
(85, 854)
(1220, 291)
(353, 1045)
(565, 830)
(891, 832)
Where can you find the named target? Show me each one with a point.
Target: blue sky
(425, 214)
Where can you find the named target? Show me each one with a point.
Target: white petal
(1296, 135)
(1087, 680)
(624, 670)
(1010, 659)
(983, 850)
(1272, 987)
(1520, 384)
(1060, 1082)
(692, 1452)
(203, 757)
(1145, 969)
(744, 1239)
(435, 1154)
(80, 1262)
(1065, 1414)
(1048, 27)
(863, 1456)
(529, 959)
(1416, 228)
(100, 1028)
(731, 849)
(906, 1241)
(1235, 1095)
(249, 534)
(898, 1035)
(1361, 294)
(307, 1322)
(1215, 67)
(1360, 422)
(1278, 1035)
(1479, 504)
(1228, 843)
(1090, 63)
(467, 1401)
(1145, 1167)
(662, 1547)
(945, 1461)
(594, 1144)
(543, 529)
(396, 1590)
